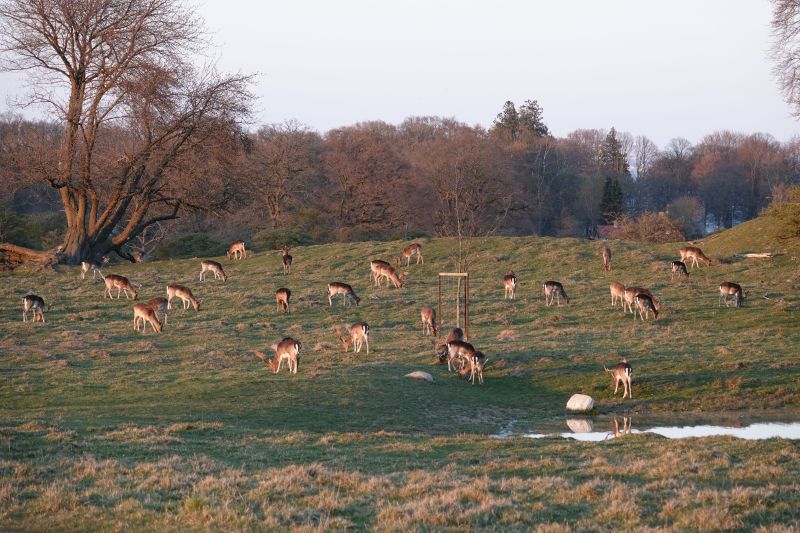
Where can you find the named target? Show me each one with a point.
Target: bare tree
(786, 50)
(136, 115)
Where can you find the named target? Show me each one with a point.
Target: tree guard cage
(459, 276)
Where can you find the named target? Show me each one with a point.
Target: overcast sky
(663, 68)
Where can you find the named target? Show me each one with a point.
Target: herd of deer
(461, 356)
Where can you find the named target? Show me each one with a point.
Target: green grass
(105, 428)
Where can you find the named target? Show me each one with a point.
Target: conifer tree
(611, 157)
(530, 118)
(612, 203)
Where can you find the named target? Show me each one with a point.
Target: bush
(687, 213)
(648, 227)
(191, 245)
(41, 231)
(276, 238)
(785, 207)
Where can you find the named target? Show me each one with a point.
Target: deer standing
(476, 365)
(93, 265)
(376, 266)
(510, 285)
(617, 293)
(185, 294)
(212, 266)
(237, 250)
(382, 269)
(145, 314)
(428, 315)
(679, 268)
(357, 336)
(457, 334)
(728, 288)
(34, 303)
(344, 289)
(622, 373)
(695, 254)
(458, 353)
(159, 305)
(121, 283)
(554, 290)
(287, 260)
(606, 258)
(282, 296)
(630, 296)
(288, 349)
(644, 304)
(408, 251)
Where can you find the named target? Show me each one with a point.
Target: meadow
(105, 428)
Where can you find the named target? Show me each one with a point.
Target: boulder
(419, 374)
(580, 403)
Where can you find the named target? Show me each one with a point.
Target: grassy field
(105, 428)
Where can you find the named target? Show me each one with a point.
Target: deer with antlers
(145, 314)
(34, 303)
(289, 350)
(357, 336)
(287, 260)
(237, 250)
(695, 254)
(606, 253)
(622, 373)
(185, 294)
(282, 296)
(121, 283)
(337, 287)
(214, 267)
(554, 290)
(510, 285)
(93, 265)
(728, 288)
(679, 268)
(410, 250)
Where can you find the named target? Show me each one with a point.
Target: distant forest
(287, 184)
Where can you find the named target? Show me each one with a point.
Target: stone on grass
(419, 374)
(580, 403)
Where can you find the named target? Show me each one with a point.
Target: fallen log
(13, 256)
(765, 255)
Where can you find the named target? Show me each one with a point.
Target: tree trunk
(76, 244)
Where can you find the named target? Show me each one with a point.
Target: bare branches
(786, 50)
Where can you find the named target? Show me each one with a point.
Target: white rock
(580, 425)
(579, 403)
(419, 374)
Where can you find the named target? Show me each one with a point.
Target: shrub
(191, 245)
(648, 227)
(276, 238)
(687, 213)
(785, 207)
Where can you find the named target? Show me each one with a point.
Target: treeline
(438, 176)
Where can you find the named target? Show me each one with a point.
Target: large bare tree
(139, 121)
(786, 50)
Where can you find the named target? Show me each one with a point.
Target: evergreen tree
(507, 121)
(530, 118)
(611, 157)
(612, 204)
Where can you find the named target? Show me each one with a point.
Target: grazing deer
(630, 296)
(679, 268)
(237, 250)
(146, 314)
(287, 260)
(282, 296)
(408, 251)
(385, 270)
(476, 365)
(357, 336)
(644, 304)
(728, 288)
(212, 266)
(554, 290)
(695, 254)
(121, 283)
(376, 266)
(510, 285)
(159, 305)
(617, 293)
(34, 303)
(288, 349)
(344, 289)
(606, 258)
(622, 373)
(457, 334)
(458, 353)
(93, 265)
(428, 315)
(185, 294)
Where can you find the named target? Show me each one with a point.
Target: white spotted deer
(95, 266)
(428, 316)
(622, 373)
(695, 254)
(287, 260)
(145, 314)
(288, 349)
(34, 303)
(410, 250)
(554, 290)
(185, 294)
(337, 287)
(606, 252)
(213, 267)
(159, 305)
(357, 336)
(282, 296)
(617, 293)
(728, 288)
(510, 285)
(121, 283)
(237, 250)
(679, 268)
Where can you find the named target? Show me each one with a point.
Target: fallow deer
(185, 294)
(386, 270)
(644, 304)
(237, 250)
(728, 288)
(288, 349)
(287, 260)
(554, 290)
(476, 365)
(357, 336)
(159, 305)
(617, 293)
(622, 373)
(510, 285)
(606, 258)
(630, 295)
(282, 296)
(408, 251)
(376, 266)
(121, 283)
(457, 334)
(212, 266)
(344, 289)
(93, 265)
(145, 314)
(34, 303)
(679, 268)
(459, 354)
(428, 315)
(695, 254)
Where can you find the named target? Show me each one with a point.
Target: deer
(159, 305)
(185, 294)
(458, 353)
(457, 334)
(606, 252)
(282, 296)
(644, 304)
(93, 265)
(386, 270)
(630, 296)
(214, 267)
(510, 285)
(622, 373)
(679, 268)
(34, 303)
(237, 250)
(617, 293)
(477, 362)
(428, 315)
(287, 260)
(695, 254)
(145, 314)
(357, 336)
(728, 288)
(288, 349)
(376, 266)
(121, 283)
(553, 290)
(337, 287)
(408, 251)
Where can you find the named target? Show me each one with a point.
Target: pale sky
(663, 68)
